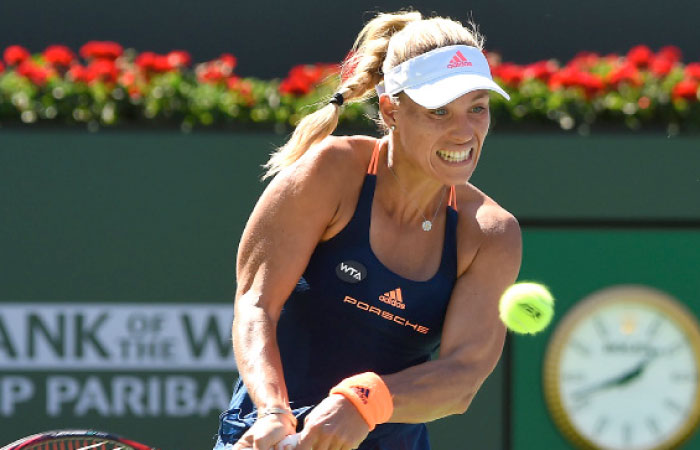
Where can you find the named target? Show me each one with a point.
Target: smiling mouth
(455, 157)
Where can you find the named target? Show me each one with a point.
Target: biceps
(472, 330)
(473, 336)
(276, 245)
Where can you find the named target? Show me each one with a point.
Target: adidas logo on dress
(459, 60)
(393, 298)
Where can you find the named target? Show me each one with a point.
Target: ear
(387, 109)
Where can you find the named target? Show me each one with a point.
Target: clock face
(622, 371)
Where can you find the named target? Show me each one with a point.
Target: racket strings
(81, 444)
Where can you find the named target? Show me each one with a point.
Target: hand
(335, 424)
(266, 432)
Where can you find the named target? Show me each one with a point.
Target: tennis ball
(526, 308)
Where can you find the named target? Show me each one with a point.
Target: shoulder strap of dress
(452, 199)
(374, 161)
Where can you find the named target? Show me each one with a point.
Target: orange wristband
(368, 393)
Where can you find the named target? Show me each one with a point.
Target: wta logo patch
(351, 271)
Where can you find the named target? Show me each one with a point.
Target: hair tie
(337, 99)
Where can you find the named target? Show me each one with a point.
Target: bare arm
(473, 335)
(282, 232)
(285, 226)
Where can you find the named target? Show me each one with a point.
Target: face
(445, 142)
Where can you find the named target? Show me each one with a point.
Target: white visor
(440, 76)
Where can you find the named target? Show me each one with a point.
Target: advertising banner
(90, 365)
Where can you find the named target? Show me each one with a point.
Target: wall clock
(621, 371)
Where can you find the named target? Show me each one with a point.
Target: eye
(439, 111)
(479, 109)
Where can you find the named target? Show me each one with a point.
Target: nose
(463, 129)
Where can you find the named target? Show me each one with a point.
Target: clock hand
(620, 380)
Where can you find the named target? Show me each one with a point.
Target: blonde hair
(386, 41)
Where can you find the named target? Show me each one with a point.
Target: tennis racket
(75, 440)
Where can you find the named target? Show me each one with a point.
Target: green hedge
(111, 86)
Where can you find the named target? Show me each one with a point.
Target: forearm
(257, 356)
(435, 389)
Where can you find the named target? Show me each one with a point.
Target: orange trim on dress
(374, 161)
(452, 200)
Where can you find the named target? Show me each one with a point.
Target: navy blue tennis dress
(350, 314)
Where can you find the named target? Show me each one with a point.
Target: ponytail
(362, 72)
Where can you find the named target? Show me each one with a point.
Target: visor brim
(437, 93)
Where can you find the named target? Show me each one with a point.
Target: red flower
(686, 89)
(101, 50)
(233, 82)
(592, 83)
(644, 102)
(564, 78)
(584, 60)
(611, 58)
(294, 86)
(228, 62)
(571, 76)
(511, 74)
(303, 78)
(670, 53)
(541, 70)
(299, 81)
(626, 73)
(102, 70)
(692, 70)
(134, 92)
(661, 66)
(78, 73)
(127, 78)
(243, 87)
(240, 85)
(178, 58)
(2, 67)
(145, 60)
(59, 55)
(15, 55)
(210, 73)
(152, 62)
(161, 63)
(37, 74)
(640, 56)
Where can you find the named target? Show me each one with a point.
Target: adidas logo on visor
(459, 60)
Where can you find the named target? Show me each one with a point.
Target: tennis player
(364, 256)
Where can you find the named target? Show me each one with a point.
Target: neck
(407, 194)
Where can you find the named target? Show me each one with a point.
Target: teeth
(454, 156)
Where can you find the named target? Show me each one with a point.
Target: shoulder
(485, 227)
(349, 152)
(332, 160)
(328, 176)
(328, 169)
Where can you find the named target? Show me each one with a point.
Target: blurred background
(269, 37)
(124, 187)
